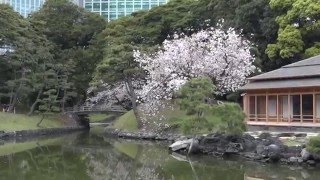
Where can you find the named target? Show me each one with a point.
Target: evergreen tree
(73, 31)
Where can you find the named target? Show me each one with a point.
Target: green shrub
(192, 95)
(231, 117)
(314, 144)
(192, 125)
(227, 118)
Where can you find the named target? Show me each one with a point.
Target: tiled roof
(305, 68)
(305, 73)
(282, 83)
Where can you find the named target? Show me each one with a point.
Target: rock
(161, 137)
(248, 137)
(315, 156)
(234, 148)
(261, 150)
(234, 138)
(293, 160)
(301, 135)
(284, 161)
(207, 140)
(149, 136)
(194, 147)
(285, 134)
(182, 138)
(274, 152)
(311, 162)
(7, 134)
(250, 155)
(305, 155)
(180, 145)
(200, 138)
(265, 135)
(249, 143)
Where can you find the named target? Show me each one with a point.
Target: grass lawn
(127, 122)
(99, 117)
(15, 122)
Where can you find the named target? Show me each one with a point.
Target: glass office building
(114, 9)
(109, 9)
(24, 7)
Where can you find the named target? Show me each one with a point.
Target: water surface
(91, 156)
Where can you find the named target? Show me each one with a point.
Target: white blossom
(224, 56)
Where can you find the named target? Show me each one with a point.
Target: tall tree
(73, 31)
(25, 49)
(299, 29)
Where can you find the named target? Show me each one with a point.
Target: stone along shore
(264, 148)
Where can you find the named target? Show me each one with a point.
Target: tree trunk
(14, 101)
(33, 107)
(133, 98)
(38, 124)
(11, 97)
(63, 103)
(15, 96)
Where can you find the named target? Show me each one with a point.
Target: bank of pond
(90, 155)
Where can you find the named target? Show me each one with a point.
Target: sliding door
(283, 109)
(261, 108)
(272, 108)
(307, 108)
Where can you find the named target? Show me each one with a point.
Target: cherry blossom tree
(109, 94)
(222, 55)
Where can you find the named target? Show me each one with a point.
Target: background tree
(26, 49)
(73, 31)
(48, 101)
(299, 33)
(58, 40)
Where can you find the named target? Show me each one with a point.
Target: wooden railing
(88, 109)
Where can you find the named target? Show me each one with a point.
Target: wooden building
(289, 96)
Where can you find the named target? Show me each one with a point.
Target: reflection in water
(87, 156)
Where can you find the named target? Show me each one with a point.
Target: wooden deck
(286, 124)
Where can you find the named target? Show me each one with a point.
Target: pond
(92, 156)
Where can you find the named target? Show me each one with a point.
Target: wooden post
(267, 102)
(245, 108)
(314, 107)
(301, 113)
(289, 108)
(277, 108)
(255, 107)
